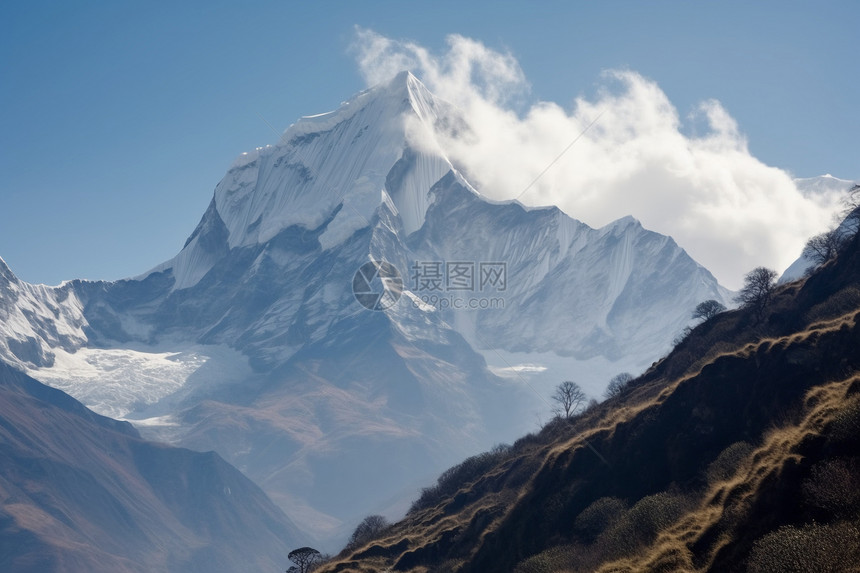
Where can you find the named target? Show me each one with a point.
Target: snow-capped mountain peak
(251, 340)
(822, 185)
(336, 160)
(329, 172)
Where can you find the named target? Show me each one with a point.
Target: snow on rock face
(203, 249)
(251, 335)
(626, 291)
(825, 188)
(343, 157)
(267, 270)
(36, 319)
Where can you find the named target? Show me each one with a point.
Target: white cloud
(729, 210)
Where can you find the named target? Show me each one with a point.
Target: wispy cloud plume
(729, 210)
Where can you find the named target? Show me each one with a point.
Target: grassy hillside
(740, 451)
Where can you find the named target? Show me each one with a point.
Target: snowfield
(116, 382)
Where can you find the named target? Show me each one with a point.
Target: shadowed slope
(708, 462)
(81, 492)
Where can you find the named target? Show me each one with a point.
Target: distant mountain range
(251, 342)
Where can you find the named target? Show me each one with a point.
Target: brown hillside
(740, 451)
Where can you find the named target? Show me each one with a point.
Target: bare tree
(305, 558)
(682, 336)
(825, 246)
(369, 528)
(708, 309)
(617, 385)
(852, 211)
(758, 289)
(569, 399)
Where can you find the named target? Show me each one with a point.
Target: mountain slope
(621, 284)
(35, 319)
(80, 492)
(251, 343)
(738, 451)
(826, 188)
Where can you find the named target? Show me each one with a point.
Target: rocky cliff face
(251, 342)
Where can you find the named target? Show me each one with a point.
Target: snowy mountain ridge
(310, 174)
(36, 318)
(251, 342)
(823, 185)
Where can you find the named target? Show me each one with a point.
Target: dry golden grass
(728, 500)
(723, 504)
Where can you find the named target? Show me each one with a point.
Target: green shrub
(834, 486)
(846, 300)
(640, 525)
(456, 477)
(654, 513)
(810, 549)
(845, 426)
(550, 561)
(726, 464)
(598, 517)
(370, 528)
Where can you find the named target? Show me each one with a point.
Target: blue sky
(118, 119)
